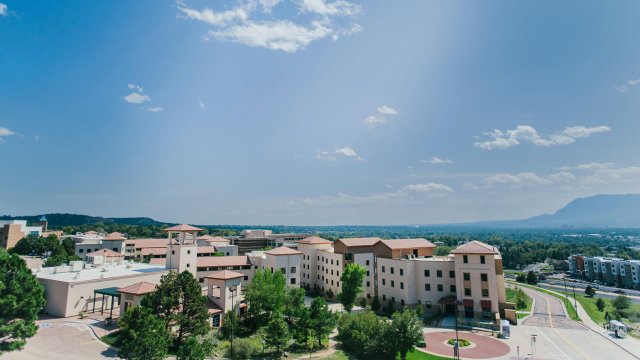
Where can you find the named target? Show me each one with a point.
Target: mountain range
(598, 211)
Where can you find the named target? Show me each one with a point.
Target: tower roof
(474, 247)
(224, 275)
(43, 218)
(182, 228)
(140, 288)
(315, 240)
(283, 250)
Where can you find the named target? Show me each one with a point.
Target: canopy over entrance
(110, 291)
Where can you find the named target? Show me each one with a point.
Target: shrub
(461, 342)
(243, 348)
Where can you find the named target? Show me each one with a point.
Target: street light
(232, 290)
(575, 305)
(456, 346)
(565, 286)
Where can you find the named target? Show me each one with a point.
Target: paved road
(559, 287)
(62, 341)
(548, 312)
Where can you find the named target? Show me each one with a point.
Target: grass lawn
(589, 305)
(112, 339)
(414, 355)
(573, 315)
(511, 297)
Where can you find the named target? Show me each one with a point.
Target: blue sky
(316, 111)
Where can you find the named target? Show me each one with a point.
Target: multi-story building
(608, 270)
(252, 240)
(404, 272)
(12, 231)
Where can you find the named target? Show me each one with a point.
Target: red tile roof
(105, 253)
(140, 288)
(213, 261)
(183, 228)
(283, 250)
(370, 241)
(153, 251)
(474, 247)
(206, 249)
(209, 238)
(147, 243)
(407, 243)
(224, 275)
(114, 237)
(315, 240)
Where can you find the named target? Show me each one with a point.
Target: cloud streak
(437, 161)
(242, 25)
(525, 133)
(379, 117)
(409, 191)
(337, 153)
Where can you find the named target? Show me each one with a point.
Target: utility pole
(565, 286)
(233, 290)
(574, 299)
(456, 346)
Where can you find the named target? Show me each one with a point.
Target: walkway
(548, 311)
(484, 347)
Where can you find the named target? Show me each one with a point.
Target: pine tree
(321, 318)
(143, 335)
(21, 299)
(351, 279)
(277, 333)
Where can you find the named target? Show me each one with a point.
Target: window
(383, 282)
(338, 283)
(384, 297)
(331, 261)
(452, 288)
(401, 285)
(331, 282)
(173, 252)
(331, 271)
(466, 276)
(283, 270)
(383, 268)
(439, 273)
(367, 262)
(481, 259)
(293, 269)
(81, 251)
(467, 291)
(440, 288)
(427, 287)
(401, 272)
(427, 273)
(337, 262)
(188, 265)
(367, 272)
(338, 273)
(483, 277)
(293, 281)
(368, 284)
(348, 256)
(485, 292)
(393, 283)
(115, 249)
(465, 259)
(393, 299)
(402, 302)
(392, 270)
(246, 278)
(188, 252)
(452, 274)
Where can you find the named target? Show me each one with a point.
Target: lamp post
(575, 305)
(232, 290)
(565, 286)
(456, 346)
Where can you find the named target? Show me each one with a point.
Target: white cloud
(379, 118)
(518, 180)
(322, 7)
(626, 85)
(4, 10)
(562, 176)
(275, 35)
(509, 138)
(589, 166)
(154, 109)
(239, 25)
(136, 88)
(6, 132)
(201, 104)
(437, 160)
(387, 110)
(338, 152)
(135, 98)
(409, 191)
(426, 188)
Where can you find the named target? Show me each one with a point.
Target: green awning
(112, 291)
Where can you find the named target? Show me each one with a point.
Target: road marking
(554, 344)
(572, 344)
(549, 311)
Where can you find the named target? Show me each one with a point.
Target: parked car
(619, 292)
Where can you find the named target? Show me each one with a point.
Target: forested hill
(61, 220)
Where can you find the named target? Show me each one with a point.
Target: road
(549, 334)
(559, 286)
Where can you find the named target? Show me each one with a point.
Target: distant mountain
(594, 211)
(59, 220)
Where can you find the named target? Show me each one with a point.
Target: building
(255, 240)
(608, 270)
(12, 231)
(404, 272)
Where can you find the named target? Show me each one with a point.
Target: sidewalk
(630, 344)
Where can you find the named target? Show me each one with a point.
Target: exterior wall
(228, 250)
(382, 250)
(227, 299)
(290, 264)
(475, 269)
(309, 276)
(329, 270)
(86, 248)
(10, 234)
(183, 257)
(249, 271)
(66, 299)
(428, 284)
(115, 245)
(129, 300)
(367, 261)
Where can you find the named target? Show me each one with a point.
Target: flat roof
(97, 273)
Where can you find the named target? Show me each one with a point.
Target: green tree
(351, 279)
(375, 304)
(390, 307)
(600, 304)
(164, 302)
(419, 311)
(193, 349)
(302, 327)
(404, 333)
(321, 319)
(590, 291)
(532, 278)
(265, 295)
(364, 335)
(21, 299)
(277, 333)
(56, 260)
(294, 303)
(143, 335)
(521, 300)
(621, 303)
(231, 322)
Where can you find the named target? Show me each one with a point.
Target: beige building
(12, 231)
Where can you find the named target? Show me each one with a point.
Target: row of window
(326, 261)
(465, 259)
(467, 277)
(427, 273)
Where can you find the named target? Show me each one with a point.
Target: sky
(316, 112)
